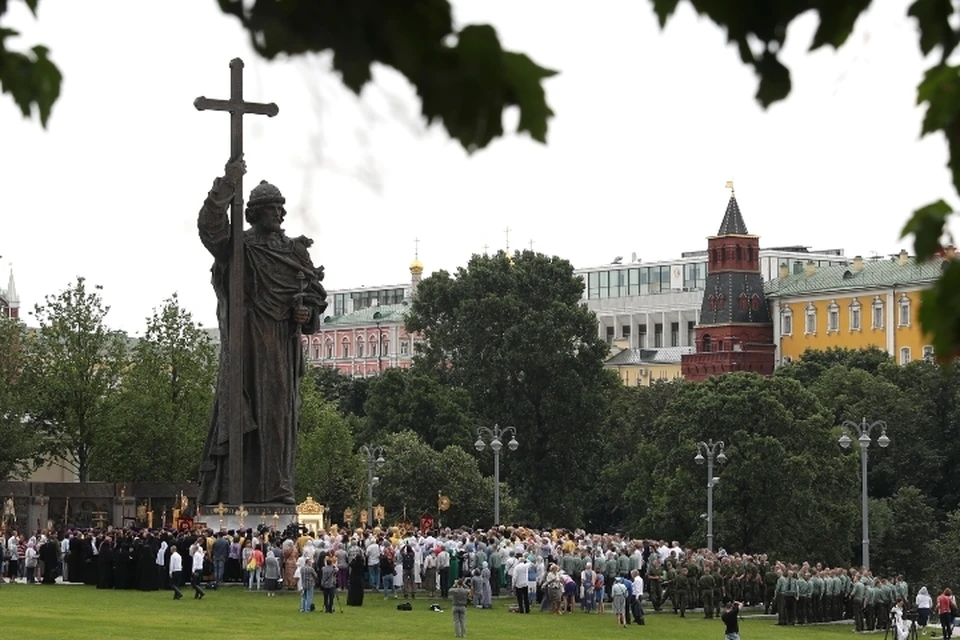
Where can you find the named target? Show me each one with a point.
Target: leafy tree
(464, 78)
(814, 362)
(347, 392)
(21, 450)
(326, 467)
(785, 488)
(943, 571)
(902, 545)
(414, 472)
(415, 401)
(513, 332)
(74, 366)
(767, 22)
(157, 429)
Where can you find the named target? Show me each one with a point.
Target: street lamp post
(496, 436)
(374, 458)
(710, 451)
(377, 316)
(862, 429)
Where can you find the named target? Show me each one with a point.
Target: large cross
(507, 233)
(236, 107)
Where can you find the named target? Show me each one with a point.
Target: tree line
(508, 342)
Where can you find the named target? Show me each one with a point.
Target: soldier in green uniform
(751, 582)
(655, 584)
(682, 587)
(770, 579)
(816, 597)
(790, 598)
(706, 585)
(804, 591)
(694, 571)
(856, 604)
(779, 588)
(869, 607)
(609, 572)
(623, 564)
(670, 585)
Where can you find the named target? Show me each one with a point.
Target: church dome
(416, 267)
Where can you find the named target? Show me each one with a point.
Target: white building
(651, 305)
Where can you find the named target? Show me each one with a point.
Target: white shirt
(520, 574)
(198, 560)
(638, 587)
(373, 554)
(176, 563)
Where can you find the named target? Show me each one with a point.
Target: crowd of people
(560, 571)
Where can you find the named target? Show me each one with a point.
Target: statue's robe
(272, 359)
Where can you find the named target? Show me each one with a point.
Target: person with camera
(731, 620)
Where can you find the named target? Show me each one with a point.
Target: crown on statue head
(265, 193)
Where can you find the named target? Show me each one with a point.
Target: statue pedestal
(256, 515)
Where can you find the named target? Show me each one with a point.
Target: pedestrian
(945, 607)
(730, 619)
(460, 598)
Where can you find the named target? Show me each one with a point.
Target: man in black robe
(283, 298)
(75, 561)
(49, 555)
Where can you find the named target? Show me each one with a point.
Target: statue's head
(265, 207)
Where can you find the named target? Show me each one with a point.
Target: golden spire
(416, 267)
(730, 186)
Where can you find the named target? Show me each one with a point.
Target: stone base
(256, 515)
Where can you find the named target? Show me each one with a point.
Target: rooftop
(368, 316)
(859, 275)
(733, 223)
(665, 355)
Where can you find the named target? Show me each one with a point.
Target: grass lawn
(79, 612)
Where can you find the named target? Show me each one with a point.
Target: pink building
(366, 335)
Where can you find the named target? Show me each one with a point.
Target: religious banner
(426, 523)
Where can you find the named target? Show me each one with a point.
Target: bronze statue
(282, 299)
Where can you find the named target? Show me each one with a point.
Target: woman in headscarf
(355, 592)
(271, 573)
(289, 565)
(486, 592)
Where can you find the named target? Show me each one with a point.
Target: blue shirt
(627, 584)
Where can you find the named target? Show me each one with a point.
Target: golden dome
(416, 267)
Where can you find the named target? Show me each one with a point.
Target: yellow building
(871, 303)
(641, 367)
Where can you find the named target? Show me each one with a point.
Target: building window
(346, 349)
(904, 311)
(755, 302)
(928, 353)
(833, 317)
(625, 332)
(316, 351)
(855, 315)
(384, 346)
(404, 347)
(642, 336)
(609, 331)
(706, 343)
(877, 322)
(329, 351)
(674, 334)
(744, 302)
(905, 355)
(657, 336)
(787, 359)
(811, 326)
(691, 332)
(786, 322)
(360, 347)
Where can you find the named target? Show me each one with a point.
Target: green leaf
(940, 312)
(774, 79)
(523, 77)
(32, 5)
(46, 82)
(837, 20)
(664, 9)
(940, 89)
(933, 19)
(926, 226)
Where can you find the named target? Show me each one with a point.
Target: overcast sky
(649, 127)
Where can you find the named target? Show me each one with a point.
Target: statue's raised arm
(213, 222)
